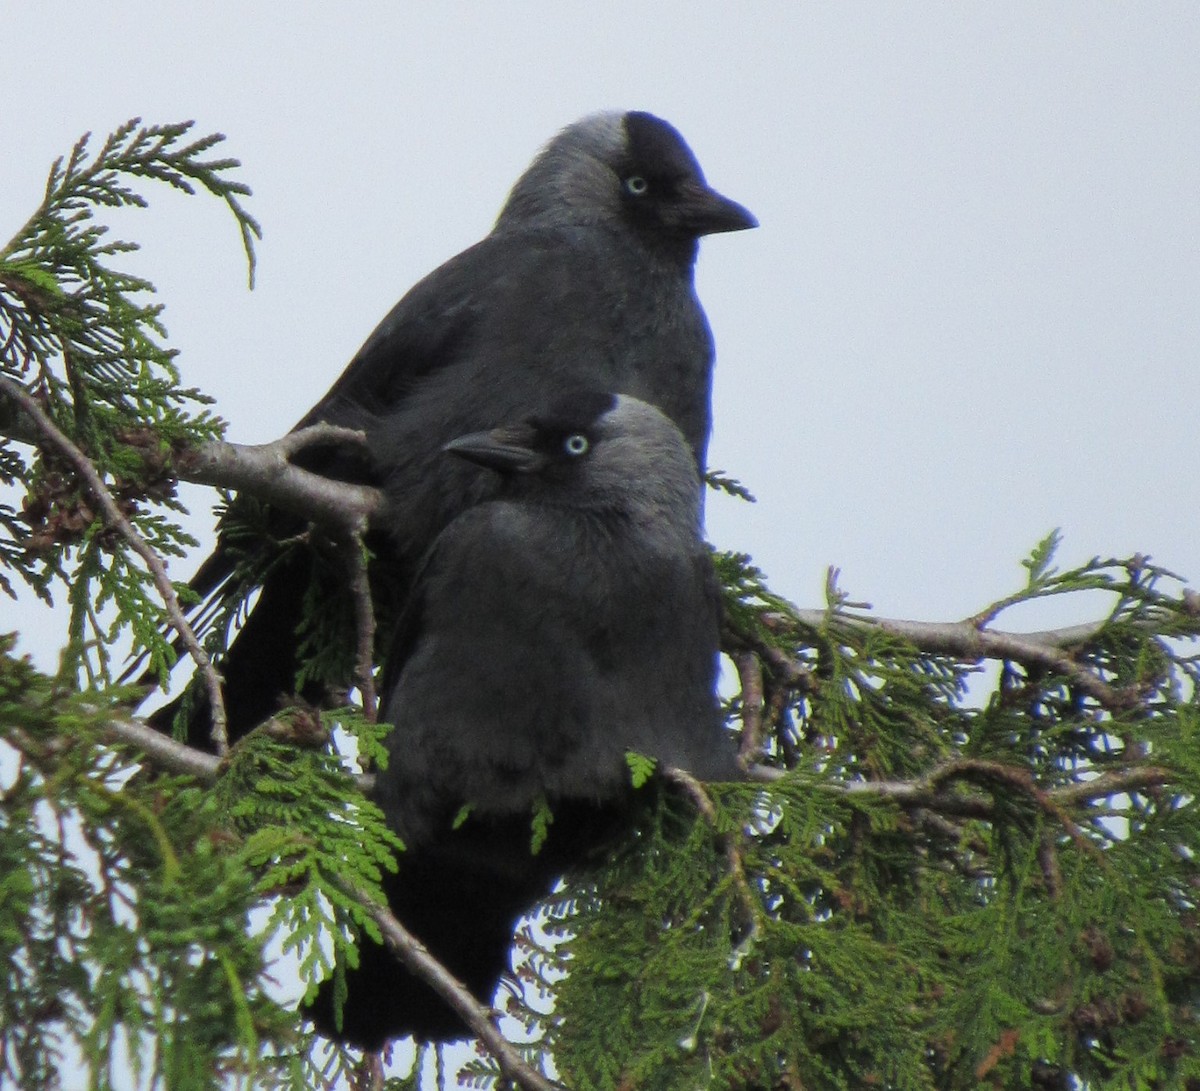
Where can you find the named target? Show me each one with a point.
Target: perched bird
(553, 629)
(586, 279)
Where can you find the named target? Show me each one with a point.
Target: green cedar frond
(999, 925)
(309, 835)
(79, 334)
(721, 482)
(123, 918)
(641, 767)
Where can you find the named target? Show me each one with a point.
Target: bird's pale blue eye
(636, 184)
(576, 445)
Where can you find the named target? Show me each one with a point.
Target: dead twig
(416, 957)
(750, 675)
(364, 626)
(1115, 782)
(163, 751)
(965, 640)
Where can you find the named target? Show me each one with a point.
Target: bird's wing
(426, 331)
(420, 335)
(397, 648)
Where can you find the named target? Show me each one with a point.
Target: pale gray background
(970, 313)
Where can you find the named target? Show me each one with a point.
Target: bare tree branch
(116, 520)
(364, 627)
(963, 639)
(163, 751)
(416, 957)
(928, 791)
(1116, 782)
(265, 471)
(175, 757)
(921, 793)
(750, 675)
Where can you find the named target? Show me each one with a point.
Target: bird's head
(631, 168)
(594, 450)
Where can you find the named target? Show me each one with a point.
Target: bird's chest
(624, 600)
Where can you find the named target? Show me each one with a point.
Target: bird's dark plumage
(586, 279)
(553, 629)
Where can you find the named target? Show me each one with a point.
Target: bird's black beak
(704, 211)
(506, 450)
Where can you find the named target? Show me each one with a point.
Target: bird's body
(587, 279)
(554, 629)
(507, 330)
(550, 639)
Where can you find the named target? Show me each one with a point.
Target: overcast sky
(971, 313)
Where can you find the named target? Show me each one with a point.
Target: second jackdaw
(586, 279)
(553, 630)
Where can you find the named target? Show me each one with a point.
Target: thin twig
(751, 677)
(116, 520)
(416, 957)
(786, 670)
(928, 793)
(1112, 783)
(919, 793)
(963, 639)
(321, 434)
(166, 753)
(163, 751)
(364, 627)
(942, 825)
(733, 856)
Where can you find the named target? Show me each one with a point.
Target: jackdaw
(554, 629)
(586, 279)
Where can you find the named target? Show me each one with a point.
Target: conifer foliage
(968, 858)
